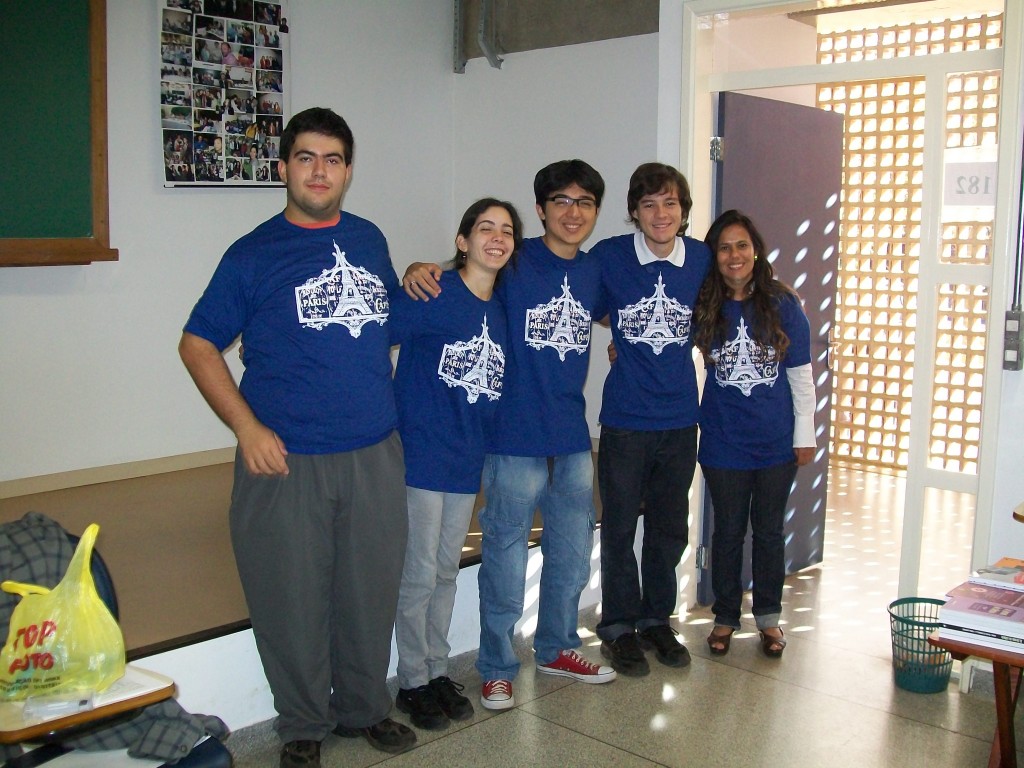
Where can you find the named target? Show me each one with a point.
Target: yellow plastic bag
(62, 639)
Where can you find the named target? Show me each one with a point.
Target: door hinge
(701, 557)
(717, 148)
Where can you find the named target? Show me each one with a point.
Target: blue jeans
(653, 469)
(760, 496)
(437, 531)
(515, 486)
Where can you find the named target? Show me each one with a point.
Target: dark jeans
(758, 496)
(653, 469)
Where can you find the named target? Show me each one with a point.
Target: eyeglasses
(566, 202)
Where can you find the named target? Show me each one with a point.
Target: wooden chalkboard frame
(80, 250)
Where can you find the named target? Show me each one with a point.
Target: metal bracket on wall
(1013, 328)
(486, 35)
(458, 53)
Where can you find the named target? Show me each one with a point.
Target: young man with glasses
(539, 453)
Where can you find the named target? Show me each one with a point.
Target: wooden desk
(1007, 687)
(137, 688)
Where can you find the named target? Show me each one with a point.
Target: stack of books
(988, 608)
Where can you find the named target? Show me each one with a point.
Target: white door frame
(685, 87)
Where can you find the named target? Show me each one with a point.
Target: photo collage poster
(223, 91)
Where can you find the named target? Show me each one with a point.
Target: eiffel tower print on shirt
(657, 320)
(744, 363)
(344, 294)
(477, 365)
(562, 324)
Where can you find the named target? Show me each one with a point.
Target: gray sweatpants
(320, 554)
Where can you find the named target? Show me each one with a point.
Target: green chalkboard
(53, 202)
(48, 176)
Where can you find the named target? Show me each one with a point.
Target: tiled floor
(830, 701)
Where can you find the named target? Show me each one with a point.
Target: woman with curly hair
(757, 426)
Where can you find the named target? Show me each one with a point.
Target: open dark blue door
(781, 164)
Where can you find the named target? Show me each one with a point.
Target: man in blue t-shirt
(648, 449)
(539, 452)
(318, 511)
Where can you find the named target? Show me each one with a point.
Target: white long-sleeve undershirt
(801, 383)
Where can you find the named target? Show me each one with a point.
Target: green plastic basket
(917, 666)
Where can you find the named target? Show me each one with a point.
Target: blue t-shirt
(312, 308)
(746, 414)
(550, 303)
(448, 382)
(652, 385)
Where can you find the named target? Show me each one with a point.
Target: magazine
(1006, 572)
(981, 637)
(978, 606)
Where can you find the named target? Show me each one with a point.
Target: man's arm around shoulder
(422, 280)
(262, 450)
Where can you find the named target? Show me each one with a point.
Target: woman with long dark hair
(448, 381)
(756, 420)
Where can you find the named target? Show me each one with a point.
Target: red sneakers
(497, 694)
(571, 664)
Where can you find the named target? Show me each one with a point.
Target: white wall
(90, 373)
(1007, 538)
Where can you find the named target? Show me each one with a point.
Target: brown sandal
(773, 646)
(718, 642)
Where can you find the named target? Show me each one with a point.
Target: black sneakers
(661, 639)
(387, 736)
(449, 697)
(422, 706)
(625, 655)
(301, 754)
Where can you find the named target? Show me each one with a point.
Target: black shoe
(422, 706)
(301, 754)
(625, 655)
(661, 639)
(387, 735)
(449, 696)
